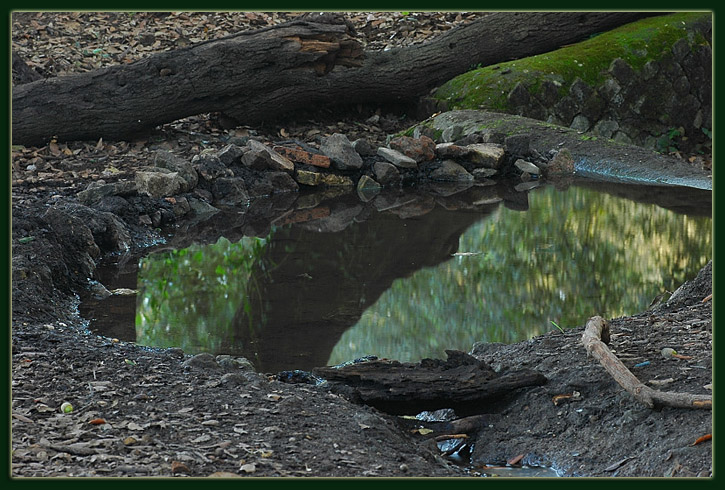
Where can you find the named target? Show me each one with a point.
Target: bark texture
(260, 75)
(461, 382)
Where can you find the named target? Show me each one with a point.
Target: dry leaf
(515, 460)
(704, 438)
(98, 421)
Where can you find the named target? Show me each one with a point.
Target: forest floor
(148, 412)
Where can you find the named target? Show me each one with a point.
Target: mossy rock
(636, 43)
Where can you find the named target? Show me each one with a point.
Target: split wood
(596, 329)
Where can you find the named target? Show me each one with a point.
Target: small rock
(179, 467)
(363, 147)
(202, 361)
(159, 184)
(483, 173)
(386, 173)
(397, 158)
(201, 208)
(333, 180)
(301, 156)
(282, 182)
(167, 160)
(230, 154)
(527, 167)
(488, 155)
(230, 191)
(450, 171)
(451, 150)
(367, 188)
(526, 186)
(561, 164)
(305, 177)
(210, 167)
(341, 152)
(419, 149)
(260, 157)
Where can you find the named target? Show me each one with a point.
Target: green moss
(636, 43)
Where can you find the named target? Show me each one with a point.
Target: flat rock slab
(461, 382)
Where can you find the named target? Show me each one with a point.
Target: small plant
(557, 326)
(668, 142)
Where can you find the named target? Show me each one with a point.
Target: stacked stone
(640, 107)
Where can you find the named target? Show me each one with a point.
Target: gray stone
(260, 157)
(282, 182)
(201, 208)
(549, 92)
(209, 166)
(526, 186)
(341, 152)
(167, 160)
(527, 167)
(681, 86)
(649, 70)
(610, 89)
(451, 150)
(159, 184)
(593, 107)
(681, 49)
(566, 109)
(450, 171)
(621, 70)
(606, 128)
(486, 155)
(621, 137)
(363, 147)
(230, 154)
(231, 363)
(580, 123)
(580, 91)
(519, 95)
(97, 191)
(397, 158)
(452, 133)
(386, 173)
(481, 174)
(230, 191)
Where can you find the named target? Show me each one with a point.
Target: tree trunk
(260, 75)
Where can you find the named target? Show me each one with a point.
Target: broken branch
(595, 329)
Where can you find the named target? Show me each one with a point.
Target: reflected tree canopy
(572, 255)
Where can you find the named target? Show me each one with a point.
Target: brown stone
(301, 156)
(419, 149)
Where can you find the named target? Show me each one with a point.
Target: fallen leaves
(700, 440)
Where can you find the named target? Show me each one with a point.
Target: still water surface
(310, 295)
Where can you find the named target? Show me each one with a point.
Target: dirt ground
(147, 412)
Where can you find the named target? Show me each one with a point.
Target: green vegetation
(572, 255)
(188, 298)
(638, 42)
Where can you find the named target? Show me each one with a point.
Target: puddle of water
(407, 281)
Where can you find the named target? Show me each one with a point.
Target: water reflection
(413, 274)
(572, 255)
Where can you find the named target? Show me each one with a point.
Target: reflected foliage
(572, 255)
(188, 297)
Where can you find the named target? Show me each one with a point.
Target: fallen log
(596, 329)
(461, 382)
(260, 75)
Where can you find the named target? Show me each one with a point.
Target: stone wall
(666, 104)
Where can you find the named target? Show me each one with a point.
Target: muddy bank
(147, 412)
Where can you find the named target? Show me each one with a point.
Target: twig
(595, 330)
